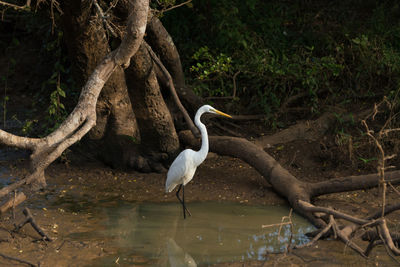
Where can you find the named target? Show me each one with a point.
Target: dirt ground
(88, 182)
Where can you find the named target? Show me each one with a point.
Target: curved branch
(137, 21)
(161, 42)
(351, 183)
(388, 209)
(171, 87)
(281, 180)
(27, 5)
(284, 183)
(311, 208)
(9, 139)
(83, 117)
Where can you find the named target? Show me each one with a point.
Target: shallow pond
(216, 232)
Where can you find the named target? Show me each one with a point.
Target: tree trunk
(162, 43)
(154, 119)
(87, 44)
(116, 131)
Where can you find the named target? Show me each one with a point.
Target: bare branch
(388, 209)
(319, 235)
(13, 202)
(176, 6)
(27, 4)
(311, 208)
(83, 117)
(104, 18)
(384, 231)
(29, 219)
(171, 86)
(17, 260)
(18, 141)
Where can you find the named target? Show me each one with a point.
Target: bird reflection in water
(177, 256)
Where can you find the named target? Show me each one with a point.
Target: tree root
(13, 202)
(299, 193)
(171, 87)
(346, 233)
(83, 118)
(29, 219)
(18, 260)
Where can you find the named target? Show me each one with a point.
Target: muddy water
(216, 232)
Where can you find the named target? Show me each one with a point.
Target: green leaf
(61, 92)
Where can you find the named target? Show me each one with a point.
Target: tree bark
(162, 43)
(284, 183)
(83, 118)
(155, 122)
(87, 44)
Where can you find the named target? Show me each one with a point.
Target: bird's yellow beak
(221, 113)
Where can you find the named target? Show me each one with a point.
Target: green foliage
(331, 53)
(56, 111)
(210, 72)
(284, 75)
(50, 81)
(28, 126)
(367, 161)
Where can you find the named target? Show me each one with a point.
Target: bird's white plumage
(184, 166)
(181, 170)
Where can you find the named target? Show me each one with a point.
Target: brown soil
(218, 179)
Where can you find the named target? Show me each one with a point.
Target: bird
(185, 164)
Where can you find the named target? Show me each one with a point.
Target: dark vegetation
(287, 61)
(323, 52)
(292, 60)
(295, 61)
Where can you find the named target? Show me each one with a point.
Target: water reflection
(177, 257)
(217, 232)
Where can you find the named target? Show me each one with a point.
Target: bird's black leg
(183, 198)
(182, 201)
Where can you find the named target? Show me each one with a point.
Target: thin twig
(104, 18)
(388, 209)
(381, 165)
(318, 236)
(274, 224)
(29, 219)
(176, 6)
(394, 189)
(27, 4)
(12, 203)
(171, 86)
(18, 260)
(226, 97)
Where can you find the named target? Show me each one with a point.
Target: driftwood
(12, 202)
(346, 233)
(31, 220)
(17, 260)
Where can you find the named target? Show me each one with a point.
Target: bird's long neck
(204, 138)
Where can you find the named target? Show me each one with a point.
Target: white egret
(184, 166)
